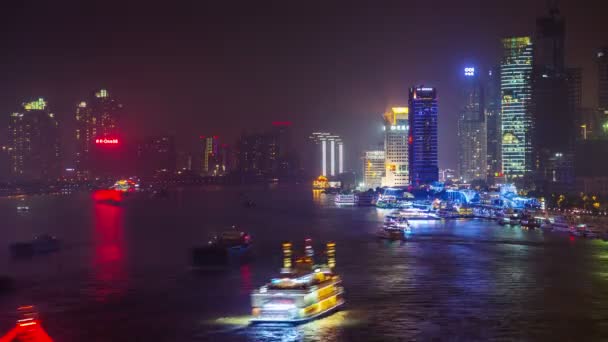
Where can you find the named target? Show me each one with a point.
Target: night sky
(219, 67)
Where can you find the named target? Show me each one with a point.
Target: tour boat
(343, 199)
(303, 292)
(418, 214)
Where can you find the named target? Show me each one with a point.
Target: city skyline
(137, 64)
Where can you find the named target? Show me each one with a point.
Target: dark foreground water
(124, 273)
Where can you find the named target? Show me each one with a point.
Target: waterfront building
(492, 102)
(210, 151)
(373, 169)
(34, 142)
(472, 147)
(329, 153)
(396, 130)
(156, 156)
(97, 118)
(422, 139)
(516, 93)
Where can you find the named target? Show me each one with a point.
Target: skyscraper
(34, 142)
(556, 92)
(492, 101)
(602, 77)
(210, 146)
(156, 156)
(472, 156)
(373, 169)
(97, 118)
(331, 153)
(396, 152)
(516, 93)
(423, 150)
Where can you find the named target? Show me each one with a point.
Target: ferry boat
(344, 199)
(222, 249)
(303, 292)
(418, 214)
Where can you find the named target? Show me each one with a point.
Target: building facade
(516, 94)
(472, 147)
(492, 102)
(156, 156)
(210, 153)
(396, 130)
(373, 169)
(422, 139)
(97, 118)
(34, 143)
(330, 149)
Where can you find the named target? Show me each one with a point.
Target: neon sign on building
(106, 141)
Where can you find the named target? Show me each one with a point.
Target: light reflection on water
(123, 275)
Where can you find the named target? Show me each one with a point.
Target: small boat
(344, 199)
(394, 233)
(305, 290)
(222, 250)
(42, 244)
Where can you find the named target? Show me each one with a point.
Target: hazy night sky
(191, 68)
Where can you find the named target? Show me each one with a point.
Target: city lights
(469, 71)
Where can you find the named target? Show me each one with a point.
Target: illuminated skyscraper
(373, 169)
(423, 149)
(99, 117)
(516, 92)
(34, 142)
(492, 101)
(396, 128)
(472, 157)
(210, 153)
(331, 153)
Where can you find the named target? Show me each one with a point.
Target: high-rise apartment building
(97, 118)
(34, 142)
(396, 130)
(472, 147)
(210, 151)
(516, 93)
(422, 139)
(373, 169)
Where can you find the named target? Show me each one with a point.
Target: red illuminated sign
(106, 141)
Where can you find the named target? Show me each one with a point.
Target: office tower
(97, 118)
(423, 149)
(330, 149)
(373, 169)
(472, 147)
(556, 94)
(602, 77)
(492, 101)
(395, 147)
(34, 142)
(516, 92)
(210, 151)
(156, 156)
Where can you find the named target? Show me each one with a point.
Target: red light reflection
(246, 285)
(107, 195)
(108, 264)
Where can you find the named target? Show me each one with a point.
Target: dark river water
(124, 273)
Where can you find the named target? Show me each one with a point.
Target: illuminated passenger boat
(344, 199)
(302, 293)
(418, 214)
